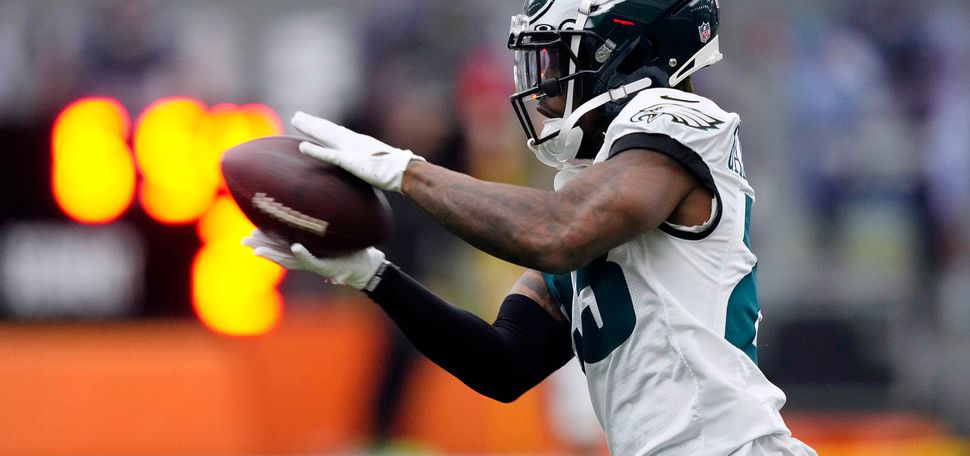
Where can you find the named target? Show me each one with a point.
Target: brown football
(288, 194)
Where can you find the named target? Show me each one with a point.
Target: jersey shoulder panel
(689, 119)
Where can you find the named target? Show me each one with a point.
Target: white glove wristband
(376, 279)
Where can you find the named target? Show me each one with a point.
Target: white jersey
(665, 324)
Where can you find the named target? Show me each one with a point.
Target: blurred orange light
(178, 185)
(93, 174)
(173, 202)
(229, 125)
(166, 137)
(178, 144)
(263, 120)
(224, 221)
(234, 292)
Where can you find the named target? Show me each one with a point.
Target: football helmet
(598, 54)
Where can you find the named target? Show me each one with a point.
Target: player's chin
(547, 110)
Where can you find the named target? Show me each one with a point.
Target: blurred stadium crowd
(856, 133)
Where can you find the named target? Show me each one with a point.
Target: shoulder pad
(666, 110)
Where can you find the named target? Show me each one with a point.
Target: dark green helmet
(598, 53)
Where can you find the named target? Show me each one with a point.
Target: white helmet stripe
(585, 7)
(706, 56)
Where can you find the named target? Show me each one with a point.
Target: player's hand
(363, 156)
(355, 270)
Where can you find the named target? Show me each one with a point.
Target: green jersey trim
(560, 287)
(743, 308)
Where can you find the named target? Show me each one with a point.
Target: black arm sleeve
(501, 360)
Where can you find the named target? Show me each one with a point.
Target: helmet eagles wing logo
(705, 31)
(678, 113)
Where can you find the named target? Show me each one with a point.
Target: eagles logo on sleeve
(678, 113)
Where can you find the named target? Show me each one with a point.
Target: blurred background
(133, 323)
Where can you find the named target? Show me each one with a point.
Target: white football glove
(363, 156)
(355, 270)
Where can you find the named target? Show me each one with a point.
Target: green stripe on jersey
(742, 309)
(561, 288)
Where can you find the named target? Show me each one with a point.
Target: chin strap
(609, 96)
(585, 9)
(564, 147)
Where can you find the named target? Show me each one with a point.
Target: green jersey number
(615, 307)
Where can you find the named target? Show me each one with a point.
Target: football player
(639, 262)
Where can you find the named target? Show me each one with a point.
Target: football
(302, 199)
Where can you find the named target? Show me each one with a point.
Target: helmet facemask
(547, 66)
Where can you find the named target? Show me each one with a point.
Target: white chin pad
(559, 150)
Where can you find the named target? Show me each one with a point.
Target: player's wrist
(411, 173)
(391, 168)
(376, 278)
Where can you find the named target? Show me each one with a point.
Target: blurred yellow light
(234, 292)
(174, 203)
(93, 174)
(224, 221)
(166, 137)
(178, 185)
(178, 146)
(229, 125)
(262, 120)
